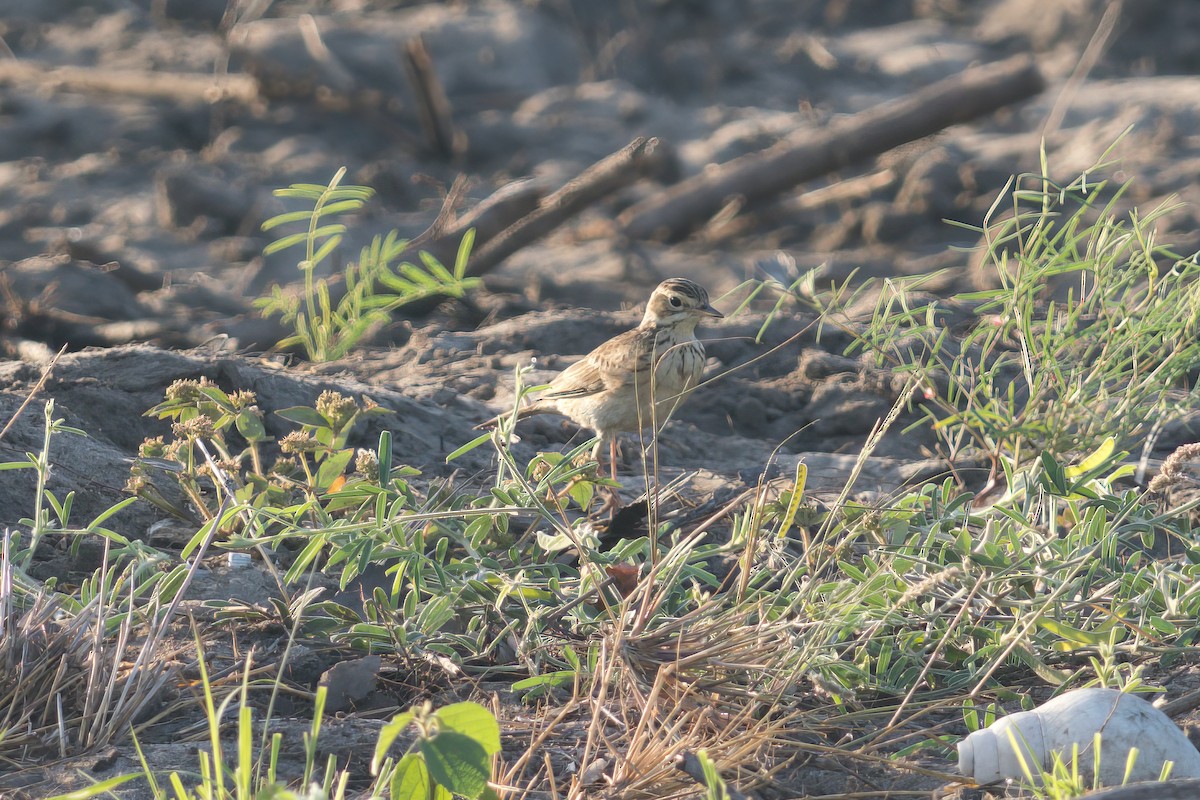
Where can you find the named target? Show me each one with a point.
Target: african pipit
(609, 389)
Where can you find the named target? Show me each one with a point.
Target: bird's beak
(709, 311)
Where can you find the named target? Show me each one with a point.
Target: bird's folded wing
(611, 365)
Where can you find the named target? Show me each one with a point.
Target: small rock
(750, 415)
(349, 682)
(61, 283)
(818, 364)
(840, 406)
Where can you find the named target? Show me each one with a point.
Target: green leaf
(108, 512)
(333, 467)
(1054, 475)
(306, 191)
(96, 789)
(342, 206)
(1051, 675)
(384, 451)
(581, 492)
(331, 229)
(306, 556)
(466, 448)
(421, 279)
(553, 542)
(457, 762)
(410, 780)
(250, 425)
(435, 268)
(464, 253)
(387, 735)
(398, 285)
(1096, 459)
(715, 786)
(471, 719)
(286, 242)
(1072, 634)
(284, 219)
(798, 484)
(1123, 471)
(304, 415)
(327, 247)
(561, 677)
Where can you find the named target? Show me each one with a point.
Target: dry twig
(636, 159)
(181, 87)
(809, 154)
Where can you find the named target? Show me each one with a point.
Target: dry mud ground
(129, 219)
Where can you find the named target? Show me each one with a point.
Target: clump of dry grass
(65, 686)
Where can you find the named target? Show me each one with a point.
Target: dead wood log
(638, 158)
(850, 190)
(180, 87)
(494, 215)
(336, 74)
(1182, 704)
(62, 328)
(811, 153)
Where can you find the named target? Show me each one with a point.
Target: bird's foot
(612, 502)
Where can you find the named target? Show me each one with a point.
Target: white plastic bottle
(1123, 721)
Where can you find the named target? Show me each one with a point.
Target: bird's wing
(615, 363)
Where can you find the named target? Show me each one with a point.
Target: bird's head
(678, 301)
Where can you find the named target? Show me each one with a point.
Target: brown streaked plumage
(609, 389)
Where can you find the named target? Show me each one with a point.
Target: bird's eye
(675, 301)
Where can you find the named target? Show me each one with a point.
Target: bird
(609, 389)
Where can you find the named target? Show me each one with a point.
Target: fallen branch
(442, 136)
(638, 158)
(336, 74)
(850, 190)
(491, 219)
(811, 153)
(182, 87)
(517, 215)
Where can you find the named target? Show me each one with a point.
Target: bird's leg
(612, 500)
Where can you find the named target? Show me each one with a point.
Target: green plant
(46, 502)
(374, 287)
(1064, 779)
(762, 630)
(714, 784)
(312, 460)
(80, 667)
(451, 755)
(1092, 332)
(242, 771)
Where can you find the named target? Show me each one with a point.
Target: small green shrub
(374, 286)
(1093, 331)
